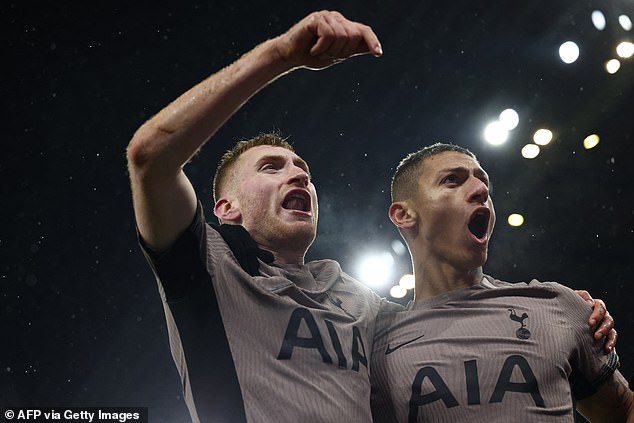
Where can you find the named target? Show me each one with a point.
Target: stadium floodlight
(569, 52)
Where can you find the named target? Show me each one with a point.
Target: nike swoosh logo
(391, 350)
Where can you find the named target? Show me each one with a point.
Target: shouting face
(271, 195)
(455, 215)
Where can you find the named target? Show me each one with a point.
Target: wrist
(271, 57)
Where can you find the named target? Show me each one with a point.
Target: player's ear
(227, 212)
(402, 214)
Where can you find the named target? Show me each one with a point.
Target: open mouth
(479, 222)
(298, 200)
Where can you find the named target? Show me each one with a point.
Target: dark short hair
(230, 157)
(408, 171)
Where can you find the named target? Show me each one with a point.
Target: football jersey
(496, 351)
(283, 344)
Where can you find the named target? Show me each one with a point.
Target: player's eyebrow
(299, 162)
(279, 158)
(478, 172)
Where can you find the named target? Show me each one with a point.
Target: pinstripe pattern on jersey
(494, 352)
(300, 336)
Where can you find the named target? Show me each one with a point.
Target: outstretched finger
(371, 43)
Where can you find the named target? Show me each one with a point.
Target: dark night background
(82, 322)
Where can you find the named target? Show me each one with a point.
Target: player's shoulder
(549, 289)
(558, 287)
(531, 283)
(329, 269)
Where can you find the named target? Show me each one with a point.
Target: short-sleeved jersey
(494, 352)
(288, 343)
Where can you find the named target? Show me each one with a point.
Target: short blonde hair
(230, 157)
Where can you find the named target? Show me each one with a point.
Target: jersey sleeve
(197, 336)
(590, 365)
(177, 268)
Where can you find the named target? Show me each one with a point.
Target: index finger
(371, 41)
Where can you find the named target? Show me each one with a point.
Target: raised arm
(164, 199)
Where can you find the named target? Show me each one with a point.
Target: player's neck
(288, 258)
(285, 256)
(285, 251)
(441, 278)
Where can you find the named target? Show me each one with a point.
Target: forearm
(164, 199)
(169, 139)
(613, 402)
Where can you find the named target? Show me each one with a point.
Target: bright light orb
(516, 219)
(626, 22)
(530, 151)
(509, 119)
(375, 270)
(495, 133)
(625, 49)
(591, 141)
(612, 66)
(543, 136)
(407, 281)
(598, 20)
(569, 52)
(397, 291)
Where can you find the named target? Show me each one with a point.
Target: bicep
(163, 208)
(612, 402)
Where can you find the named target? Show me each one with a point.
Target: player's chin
(475, 258)
(479, 260)
(306, 230)
(298, 235)
(299, 226)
